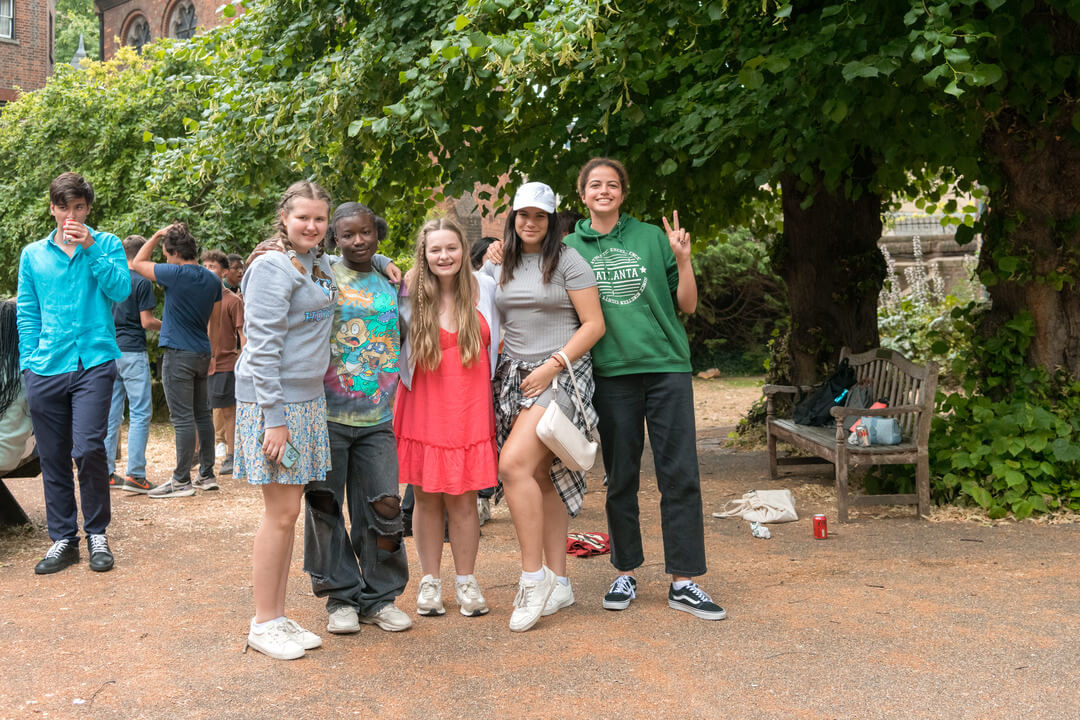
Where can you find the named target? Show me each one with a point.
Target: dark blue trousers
(70, 413)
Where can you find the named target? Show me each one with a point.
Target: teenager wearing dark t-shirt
(132, 317)
(191, 294)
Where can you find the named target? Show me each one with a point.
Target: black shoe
(101, 558)
(115, 482)
(62, 554)
(695, 601)
(622, 591)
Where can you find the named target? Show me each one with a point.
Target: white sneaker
(274, 641)
(483, 509)
(562, 596)
(429, 599)
(307, 639)
(343, 620)
(221, 450)
(531, 598)
(389, 617)
(469, 598)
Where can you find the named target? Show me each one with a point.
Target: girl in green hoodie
(642, 372)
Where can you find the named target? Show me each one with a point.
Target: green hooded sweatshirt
(637, 277)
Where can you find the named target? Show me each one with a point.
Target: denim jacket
(65, 304)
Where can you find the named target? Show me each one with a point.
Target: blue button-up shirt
(65, 303)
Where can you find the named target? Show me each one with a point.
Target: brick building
(137, 22)
(26, 45)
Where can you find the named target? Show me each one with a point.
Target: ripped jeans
(349, 568)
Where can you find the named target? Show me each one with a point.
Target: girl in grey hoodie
(281, 437)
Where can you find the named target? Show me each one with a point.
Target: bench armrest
(771, 390)
(840, 411)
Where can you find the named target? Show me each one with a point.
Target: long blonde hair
(424, 293)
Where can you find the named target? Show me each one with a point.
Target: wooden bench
(909, 389)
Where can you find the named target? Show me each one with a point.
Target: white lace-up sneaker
(562, 596)
(307, 639)
(429, 599)
(343, 620)
(531, 598)
(469, 598)
(274, 641)
(389, 618)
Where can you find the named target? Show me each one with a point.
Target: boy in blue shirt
(68, 282)
(191, 295)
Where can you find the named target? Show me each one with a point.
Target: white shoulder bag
(576, 449)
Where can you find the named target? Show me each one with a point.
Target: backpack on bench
(814, 408)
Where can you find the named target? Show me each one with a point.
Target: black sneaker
(226, 465)
(133, 484)
(101, 557)
(115, 481)
(622, 591)
(695, 601)
(62, 554)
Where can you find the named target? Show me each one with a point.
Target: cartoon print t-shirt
(364, 348)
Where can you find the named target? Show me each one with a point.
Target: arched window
(183, 22)
(138, 33)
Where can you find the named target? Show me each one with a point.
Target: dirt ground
(889, 618)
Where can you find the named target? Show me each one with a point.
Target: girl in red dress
(444, 417)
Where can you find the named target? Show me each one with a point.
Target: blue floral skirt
(306, 422)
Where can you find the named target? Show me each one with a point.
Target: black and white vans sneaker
(622, 591)
(695, 601)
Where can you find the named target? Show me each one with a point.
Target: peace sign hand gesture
(678, 237)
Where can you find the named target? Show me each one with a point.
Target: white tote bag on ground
(763, 506)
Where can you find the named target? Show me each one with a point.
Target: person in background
(226, 331)
(642, 370)
(68, 282)
(132, 317)
(234, 273)
(483, 497)
(16, 430)
(191, 295)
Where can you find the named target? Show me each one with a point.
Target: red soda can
(863, 435)
(821, 527)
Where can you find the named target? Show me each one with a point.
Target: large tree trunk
(1035, 216)
(829, 258)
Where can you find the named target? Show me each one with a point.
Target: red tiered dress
(445, 425)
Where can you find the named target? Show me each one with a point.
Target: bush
(1009, 439)
(741, 302)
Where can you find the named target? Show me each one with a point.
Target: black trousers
(665, 402)
(70, 414)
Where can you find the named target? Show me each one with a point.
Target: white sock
(268, 623)
(461, 579)
(563, 580)
(535, 576)
(679, 585)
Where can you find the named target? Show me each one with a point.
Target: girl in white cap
(548, 301)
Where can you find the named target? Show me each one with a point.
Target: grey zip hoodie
(287, 321)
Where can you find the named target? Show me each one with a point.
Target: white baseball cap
(537, 195)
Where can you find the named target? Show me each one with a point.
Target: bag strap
(577, 393)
